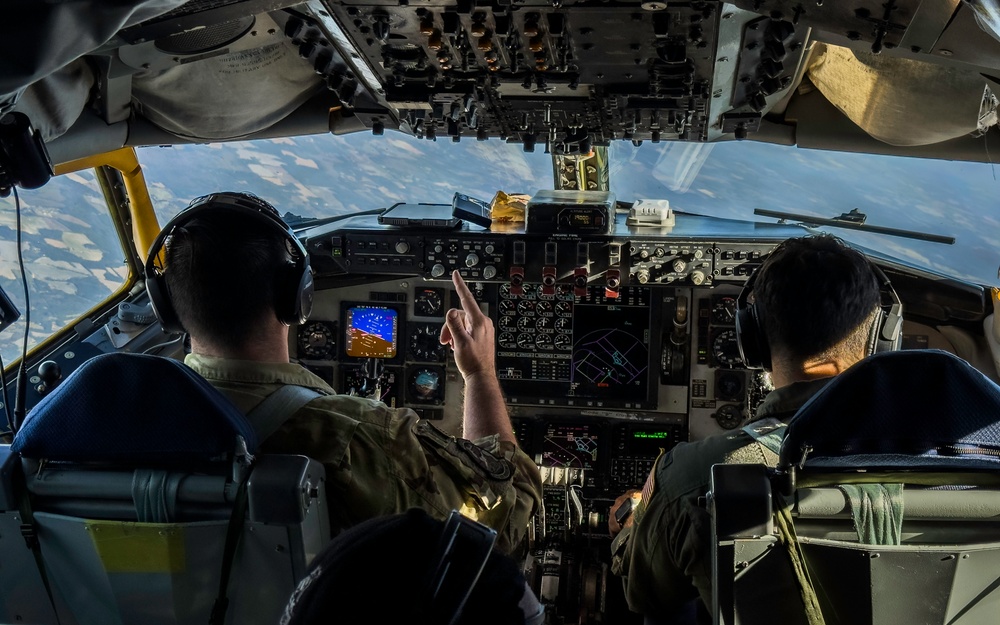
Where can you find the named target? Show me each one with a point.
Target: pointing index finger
(469, 304)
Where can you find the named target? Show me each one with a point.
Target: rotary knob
(642, 276)
(402, 247)
(679, 265)
(437, 270)
(489, 272)
(472, 259)
(697, 278)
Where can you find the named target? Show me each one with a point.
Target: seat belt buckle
(30, 535)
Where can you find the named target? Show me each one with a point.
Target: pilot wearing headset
(231, 273)
(812, 309)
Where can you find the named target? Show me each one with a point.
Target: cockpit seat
(133, 489)
(884, 507)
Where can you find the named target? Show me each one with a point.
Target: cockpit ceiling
(556, 73)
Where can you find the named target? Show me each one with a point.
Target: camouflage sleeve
(664, 557)
(494, 481)
(395, 461)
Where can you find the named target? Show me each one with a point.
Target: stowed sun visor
(899, 101)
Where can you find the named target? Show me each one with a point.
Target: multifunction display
(561, 349)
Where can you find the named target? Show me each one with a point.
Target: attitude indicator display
(371, 332)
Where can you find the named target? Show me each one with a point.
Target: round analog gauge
(729, 385)
(505, 290)
(526, 307)
(729, 417)
(508, 324)
(564, 341)
(565, 292)
(543, 323)
(316, 340)
(426, 384)
(543, 307)
(564, 308)
(507, 307)
(425, 344)
(506, 340)
(525, 341)
(428, 302)
(543, 341)
(525, 323)
(724, 311)
(564, 324)
(726, 350)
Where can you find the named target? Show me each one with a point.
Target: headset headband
(464, 549)
(751, 336)
(295, 291)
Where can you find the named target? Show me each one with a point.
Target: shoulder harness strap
(278, 407)
(768, 432)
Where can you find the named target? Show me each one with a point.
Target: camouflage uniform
(666, 555)
(381, 460)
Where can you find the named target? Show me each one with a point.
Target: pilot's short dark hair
(381, 569)
(221, 271)
(816, 294)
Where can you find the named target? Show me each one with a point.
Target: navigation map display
(570, 446)
(371, 332)
(592, 351)
(610, 352)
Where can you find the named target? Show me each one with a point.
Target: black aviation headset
(294, 288)
(885, 335)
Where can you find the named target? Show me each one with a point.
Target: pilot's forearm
(485, 412)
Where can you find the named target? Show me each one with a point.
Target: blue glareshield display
(372, 332)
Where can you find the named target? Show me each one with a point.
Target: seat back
(923, 419)
(131, 521)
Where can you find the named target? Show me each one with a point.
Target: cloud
(82, 247)
(302, 162)
(110, 282)
(86, 180)
(403, 146)
(270, 174)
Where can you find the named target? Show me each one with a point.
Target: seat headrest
(908, 408)
(131, 408)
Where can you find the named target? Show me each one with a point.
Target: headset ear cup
(156, 288)
(304, 295)
(750, 338)
(294, 295)
(887, 332)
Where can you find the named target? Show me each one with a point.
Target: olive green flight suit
(381, 460)
(665, 557)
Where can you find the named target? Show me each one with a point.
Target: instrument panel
(609, 348)
(609, 351)
(564, 363)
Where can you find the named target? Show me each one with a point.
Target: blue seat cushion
(135, 409)
(907, 409)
